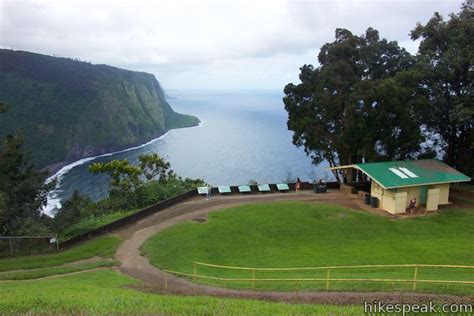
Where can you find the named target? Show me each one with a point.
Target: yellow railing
(327, 279)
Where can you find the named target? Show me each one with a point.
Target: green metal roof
(396, 174)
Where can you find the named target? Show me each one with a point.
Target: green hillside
(69, 109)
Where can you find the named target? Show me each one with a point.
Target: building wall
(432, 201)
(443, 193)
(376, 191)
(390, 200)
(400, 202)
(412, 192)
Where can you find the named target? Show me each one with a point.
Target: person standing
(412, 205)
(298, 185)
(209, 189)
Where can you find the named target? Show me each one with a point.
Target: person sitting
(321, 183)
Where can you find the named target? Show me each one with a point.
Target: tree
(353, 105)
(22, 190)
(3, 107)
(124, 176)
(2, 210)
(150, 181)
(72, 211)
(445, 62)
(154, 167)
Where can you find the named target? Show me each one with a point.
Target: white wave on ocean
(54, 202)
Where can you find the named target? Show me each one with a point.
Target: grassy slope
(102, 292)
(295, 234)
(101, 247)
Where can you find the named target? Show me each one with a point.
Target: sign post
(11, 247)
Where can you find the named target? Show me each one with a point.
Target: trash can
(317, 188)
(367, 199)
(374, 202)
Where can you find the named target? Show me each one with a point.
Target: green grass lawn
(297, 234)
(104, 292)
(100, 247)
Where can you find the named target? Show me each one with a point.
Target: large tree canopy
(355, 104)
(445, 63)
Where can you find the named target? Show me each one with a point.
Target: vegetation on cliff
(69, 109)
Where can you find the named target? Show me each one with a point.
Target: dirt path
(137, 266)
(54, 276)
(66, 265)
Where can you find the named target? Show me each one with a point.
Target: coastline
(61, 168)
(54, 168)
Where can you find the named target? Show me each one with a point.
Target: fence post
(253, 279)
(414, 278)
(327, 280)
(11, 247)
(166, 281)
(194, 269)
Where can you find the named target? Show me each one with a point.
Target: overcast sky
(205, 44)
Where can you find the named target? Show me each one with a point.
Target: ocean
(243, 136)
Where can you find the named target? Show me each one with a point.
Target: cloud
(233, 44)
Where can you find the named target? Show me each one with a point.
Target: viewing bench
(283, 187)
(244, 189)
(224, 189)
(202, 190)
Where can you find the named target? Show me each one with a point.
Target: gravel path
(137, 266)
(60, 275)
